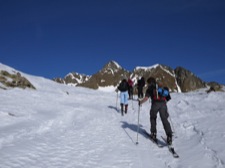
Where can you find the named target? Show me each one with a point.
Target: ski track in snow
(80, 131)
(191, 127)
(64, 141)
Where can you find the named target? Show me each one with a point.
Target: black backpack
(123, 86)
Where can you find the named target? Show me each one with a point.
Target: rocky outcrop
(187, 80)
(14, 80)
(214, 86)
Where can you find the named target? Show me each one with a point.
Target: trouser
(160, 107)
(140, 92)
(124, 97)
(130, 92)
(124, 101)
(122, 109)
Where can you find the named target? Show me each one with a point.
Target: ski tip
(176, 156)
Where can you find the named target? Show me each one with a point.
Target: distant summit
(73, 79)
(178, 79)
(109, 75)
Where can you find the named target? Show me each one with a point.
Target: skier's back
(159, 96)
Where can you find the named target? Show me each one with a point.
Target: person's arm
(142, 101)
(168, 98)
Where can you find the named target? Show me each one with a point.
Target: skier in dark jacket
(159, 96)
(130, 90)
(123, 88)
(140, 86)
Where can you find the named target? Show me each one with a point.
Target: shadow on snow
(134, 127)
(115, 108)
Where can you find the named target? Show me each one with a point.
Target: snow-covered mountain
(56, 126)
(178, 79)
(109, 75)
(73, 79)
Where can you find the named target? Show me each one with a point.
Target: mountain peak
(113, 65)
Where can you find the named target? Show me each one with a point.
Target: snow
(107, 88)
(146, 68)
(117, 65)
(59, 126)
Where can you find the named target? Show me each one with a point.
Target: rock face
(187, 80)
(14, 80)
(161, 73)
(178, 80)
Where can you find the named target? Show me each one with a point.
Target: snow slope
(59, 126)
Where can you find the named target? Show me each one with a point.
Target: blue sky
(52, 38)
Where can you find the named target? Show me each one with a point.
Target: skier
(140, 86)
(123, 88)
(159, 96)
(130, 90)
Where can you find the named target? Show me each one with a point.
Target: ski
(157, 142)
(171, 148)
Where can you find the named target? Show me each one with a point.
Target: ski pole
(116, 100)
(132, 98)
(132, 104)
(139, 109)
(173, 130)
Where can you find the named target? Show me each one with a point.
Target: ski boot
(126, 106)
(153, 136)
(169, 139)
(121, 109)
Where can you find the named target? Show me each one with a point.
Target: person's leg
(129, 93)
(164, 117)
(139, 92)
(132, 92)
(142, 94)
(126, 101)
(122, 101)
(153, 117)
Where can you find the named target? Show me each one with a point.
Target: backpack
(123, 86)
(130, 82)
(163, 92)
(160, 93)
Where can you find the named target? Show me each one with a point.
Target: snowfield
(59, 126)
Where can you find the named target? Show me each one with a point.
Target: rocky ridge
(178, 79)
